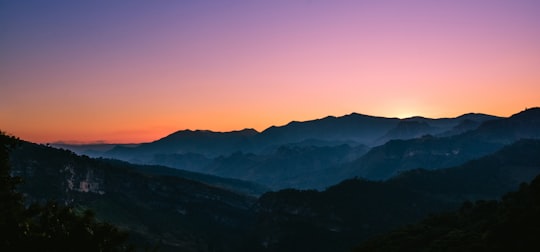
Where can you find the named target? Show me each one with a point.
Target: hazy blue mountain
(396, 156)
(91, 150)
(207, 143)
(525, 124)
(288, 166)
(408, 129)
(364, 129)
(415, 127)
(184, 161)
(341, 216)
(319, 148)
(353, 129)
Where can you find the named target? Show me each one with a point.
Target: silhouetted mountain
(362, 129)
(155, 204)
(256, 156)
(396, 156)
(343, 215)
(350, 129)
(207, 143)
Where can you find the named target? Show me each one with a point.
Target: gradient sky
(133, 71)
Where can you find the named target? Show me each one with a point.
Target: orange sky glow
(135, 71)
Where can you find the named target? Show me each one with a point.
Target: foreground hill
(338, 218)
(48, 227)
(158, 208)
(512, 224)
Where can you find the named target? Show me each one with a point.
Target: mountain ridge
(381, 147)
(399, 155)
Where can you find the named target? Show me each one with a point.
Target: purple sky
(130, 71)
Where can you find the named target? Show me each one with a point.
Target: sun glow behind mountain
(136, 71)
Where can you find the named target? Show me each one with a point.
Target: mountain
(161, 207)
(525, 124)
(509, 224)
(408, 129)
(207, 143)
(325, 151)
(92, 150)
(363, 129)
(299, 154)
(157, 206)
(345, 214)
(396, 156)
(352, 129)
(234, 185)
(358, 128)
(48, 227)
(289, 166)
(415, 127)
(462, 127)
(385, 161)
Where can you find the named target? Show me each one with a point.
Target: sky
(135, 71)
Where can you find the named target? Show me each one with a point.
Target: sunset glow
(135, 71)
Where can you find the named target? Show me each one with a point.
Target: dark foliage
(512, 224)
(156, 205)
(49, 227)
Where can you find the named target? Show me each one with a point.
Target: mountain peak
(246, 131)
(528, 112)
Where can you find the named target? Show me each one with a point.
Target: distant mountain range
(316, 154)
(385, 161)
(353, 129)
